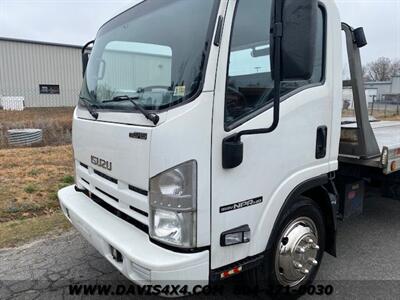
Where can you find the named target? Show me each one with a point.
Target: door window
(249, 83)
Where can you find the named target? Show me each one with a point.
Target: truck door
(274, 164)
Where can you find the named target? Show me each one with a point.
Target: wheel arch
(321, 190)
(327, 203)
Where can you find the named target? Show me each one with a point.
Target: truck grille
(137, 190)
(108, 195)
(106, 177)
(139, 211)
(115, 181)
(116, 212)
(121, 199)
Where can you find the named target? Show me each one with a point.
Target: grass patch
(25, 209)
(34, 172)
(53, 195)
(68, 179)
(30, 179)
(56, 124)
(16, 233)
(30, 189)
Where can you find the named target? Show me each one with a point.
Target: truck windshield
(156, 51)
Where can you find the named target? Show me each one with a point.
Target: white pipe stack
(12, 103)
(24, 137)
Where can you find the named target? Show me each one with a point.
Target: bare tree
(365, 73)
(380, 70)
(383, 69)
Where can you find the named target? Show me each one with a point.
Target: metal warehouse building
(386, 90)
(45, 74)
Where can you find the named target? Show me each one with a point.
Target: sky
(77, 21)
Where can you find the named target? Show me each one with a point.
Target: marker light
(235, 236)
(393, 166)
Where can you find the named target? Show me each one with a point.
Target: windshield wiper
(90, 107)
(149, 116)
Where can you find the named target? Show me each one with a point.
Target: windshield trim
(184, 100)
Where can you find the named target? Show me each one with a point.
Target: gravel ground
(367, 267)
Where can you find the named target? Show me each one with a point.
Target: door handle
(322, 138)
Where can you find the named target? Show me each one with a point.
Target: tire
(267, 276)
(391, 190)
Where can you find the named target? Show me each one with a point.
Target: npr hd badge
(239, 205)
(138, 135)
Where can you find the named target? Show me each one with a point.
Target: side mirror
(299, 36)
(85, 57)
(232, 153)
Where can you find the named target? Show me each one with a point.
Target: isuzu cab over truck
(208, 140)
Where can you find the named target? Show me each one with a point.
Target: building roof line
(6, 39)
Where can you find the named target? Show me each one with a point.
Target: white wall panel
(26, 65)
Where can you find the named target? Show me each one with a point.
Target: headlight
(173, 206)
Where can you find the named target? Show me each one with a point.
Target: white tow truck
(208, 141)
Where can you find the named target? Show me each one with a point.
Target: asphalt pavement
(367, 266)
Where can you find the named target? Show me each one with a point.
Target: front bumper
(143, 262)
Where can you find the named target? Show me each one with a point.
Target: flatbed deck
(387, 134)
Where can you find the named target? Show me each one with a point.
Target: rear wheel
(296, 248)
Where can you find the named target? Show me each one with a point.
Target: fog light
(116, 255)
(236, 236)
(67, 213)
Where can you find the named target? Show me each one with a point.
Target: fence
(384, 108)
(380, 109)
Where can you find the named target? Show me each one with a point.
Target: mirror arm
(85, 57)
(86, 46)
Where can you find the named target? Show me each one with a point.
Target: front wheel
(296, 248)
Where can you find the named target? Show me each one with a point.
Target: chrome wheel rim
(297, 252)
